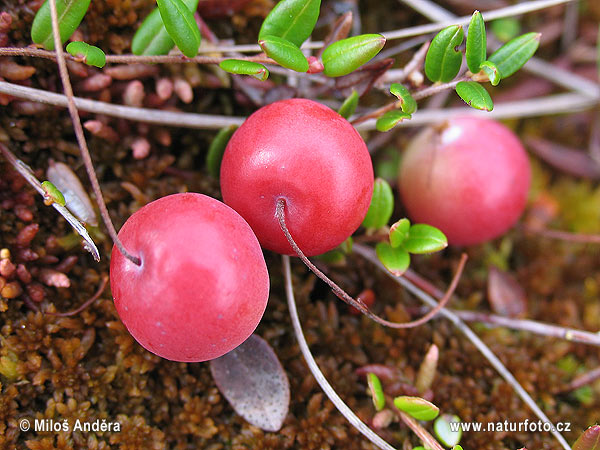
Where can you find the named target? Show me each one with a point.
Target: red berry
(308, 155)
(469, 177)
(202, 286)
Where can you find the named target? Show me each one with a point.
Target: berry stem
(357, 303)
(85, 152)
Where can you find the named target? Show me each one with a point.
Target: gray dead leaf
(253, 381)
(505, 294)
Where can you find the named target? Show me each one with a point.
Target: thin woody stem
(357, 303)
(85, 153)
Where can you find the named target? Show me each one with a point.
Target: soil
(87, 367)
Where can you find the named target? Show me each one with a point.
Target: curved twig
(85, 304)
(357, 303)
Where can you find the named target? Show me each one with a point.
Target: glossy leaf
(180, 24)
(423, 238)
(286, 53)
(396, 260)
(457, 447)
(417, 407)
(444, 432)
(399, 232)
(409, 104)
(492, 72)
(390, 119)
(506, 28)
(53, 194)
(152, 38)
(254, 383)
(476, 43)
(349, 105)
(70, 14)
(589, 439)
(241, 67)
(443, 61)
(345, 56)
(89, 54)
(217, 149)
(376, 391)
(475, 95)
(381, 207)
(514, 54)
(293, 20)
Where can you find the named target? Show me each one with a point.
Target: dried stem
(370, 255)
(583, 380)
(85, 153)
(357, 303)
(566, 235)
(314, 368)
(85, 304)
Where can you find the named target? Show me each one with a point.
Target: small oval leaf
(390, 119)
(376, 391)
(217, 149)
(476, 42)
(52, 194)
(514, 54)
(443, 61)
(293, 20)
(417, 407)
(396, 260)
(475, 95)
(399, 232)
(589, 439)
(241, 67)
(506, 28)
(423, 238)
(345, 56)
(152, 38)
(444, 431)
(381, 207)
(349, 105)
(409, 104)
(70, 14)
(180, 24)
(76, 197)
(89, 54)
(253, 381)
(492, 72)
(286, 53)
(506, 296)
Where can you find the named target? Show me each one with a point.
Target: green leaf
(476, 43)
(345, 56)
(152, 38)
(409, 104)
(381, 207)
(241, 67)
(396, 260)
(457, 447)
(417, 407)
(492, 72)
(514, 54)
(70, 14)
(506, 28)
(53, 194)
(424, 238)
(589, 439)
(286, 53)
(475, 95)
(333, 257)
(180, 24)
(292, 20)
(90, 54)
(399, 232)
(349, 105)
(390, 119)
(217, 149)
(444, 432)
(347, 245)
(376, 391)
(443, 61)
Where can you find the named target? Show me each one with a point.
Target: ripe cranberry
(310, 156)
(202, 285)
(469, 177)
